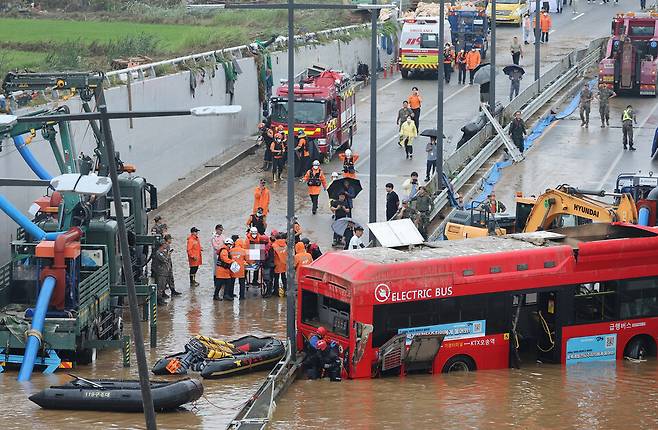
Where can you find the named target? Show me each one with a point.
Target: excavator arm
(565, 200)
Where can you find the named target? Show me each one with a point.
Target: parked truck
(631, 56)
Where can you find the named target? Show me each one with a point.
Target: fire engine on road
(325, 108)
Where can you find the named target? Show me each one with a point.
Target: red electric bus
(577, 294)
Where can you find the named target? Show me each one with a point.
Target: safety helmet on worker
(334, 175)
(301, 133)
(316, 163)
(321, 331)
(348, 153)
(253, 231)
(228, 241)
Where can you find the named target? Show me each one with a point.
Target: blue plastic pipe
(31, 228)
(643, 217)
(33, 339)
(37, 168)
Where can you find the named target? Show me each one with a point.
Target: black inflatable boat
(215, 358)
(117, 396)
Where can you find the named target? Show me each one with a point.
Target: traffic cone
(385, 68)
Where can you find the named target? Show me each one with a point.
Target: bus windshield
(306, 112)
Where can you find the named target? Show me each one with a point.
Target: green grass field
(23, 31)
(95, 41)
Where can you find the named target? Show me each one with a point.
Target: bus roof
(535, 250)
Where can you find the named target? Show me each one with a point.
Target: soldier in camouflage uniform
(160, 271)
(424, 204)
(170, 267)
(159, 228)
(604, 96)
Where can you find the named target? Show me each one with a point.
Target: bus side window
(638, 298)
(595, 302)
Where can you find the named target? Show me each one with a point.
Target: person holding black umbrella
(340, 209)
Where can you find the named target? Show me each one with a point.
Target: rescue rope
(547, 329)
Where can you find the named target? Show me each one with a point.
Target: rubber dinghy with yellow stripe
(215, 358)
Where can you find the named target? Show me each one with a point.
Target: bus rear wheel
(640, 347)
(459, 363)
(404, 73)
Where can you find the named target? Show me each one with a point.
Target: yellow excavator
(559, 207)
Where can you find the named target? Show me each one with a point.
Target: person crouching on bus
(322, 357)
(238, 254)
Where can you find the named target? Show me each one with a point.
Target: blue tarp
(494, 174)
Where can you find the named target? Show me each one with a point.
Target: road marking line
(578, 16)
(613, 166)
(381, 89)
(396, 136)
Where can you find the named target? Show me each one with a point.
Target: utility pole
(537, 36)
(492, 69)
(439, 100)
(372, 210)
(145, 385)
(291, 294)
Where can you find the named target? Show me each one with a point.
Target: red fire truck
(631, 56)
(325, 108)
(573, 295)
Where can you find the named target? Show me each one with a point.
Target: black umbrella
(431, 132)
(513, 68)
(482, 73)
(338, 187)
(340, 225)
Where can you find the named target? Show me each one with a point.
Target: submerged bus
(572, 295)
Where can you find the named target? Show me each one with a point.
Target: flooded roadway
(537, 396)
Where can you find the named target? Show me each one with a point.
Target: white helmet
(253, 230)
(228, 241)
(348, 153)
(316, 163)
(334, 175)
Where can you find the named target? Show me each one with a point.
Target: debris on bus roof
(400, 232)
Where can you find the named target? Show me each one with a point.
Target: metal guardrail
(257, 411)
(148, 71)
(466, 161)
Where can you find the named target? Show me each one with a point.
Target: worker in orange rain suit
(314, 178)
(223, 277)
(280, 264)
(194, 252)
(261, 198)
(239, 255)
(349, 159)
(302, 257)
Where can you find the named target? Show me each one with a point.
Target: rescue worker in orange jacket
(262, 198)
(302, 257)
(223, 277)
(349, 159)
(278, 149)
(315, 179)
(472, 61)
(448, 62)
(545, 24)
(280, 264)
(239, 254)
(303, 154)
(194, 252)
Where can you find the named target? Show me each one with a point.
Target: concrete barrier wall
(166, 149)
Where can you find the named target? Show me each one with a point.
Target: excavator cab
(478, 222)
